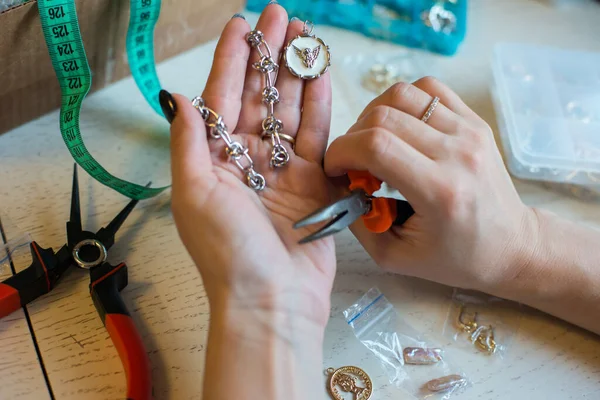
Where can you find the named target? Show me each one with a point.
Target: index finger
(387, 157)
(225, 84)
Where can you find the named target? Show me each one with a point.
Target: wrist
(559, 275)
(545, 269)
(248, 321)
(265, 351)
(275, 303)
(522, 258)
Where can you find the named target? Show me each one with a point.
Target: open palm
(243, 241)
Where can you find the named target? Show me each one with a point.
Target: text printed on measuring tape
(65, 46)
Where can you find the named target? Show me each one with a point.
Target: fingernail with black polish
(238, 15)
(168, 105)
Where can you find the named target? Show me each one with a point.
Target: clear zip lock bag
(482, 323)
(412, 361)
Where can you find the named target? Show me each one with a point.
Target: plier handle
(88, 250)
(379, 214)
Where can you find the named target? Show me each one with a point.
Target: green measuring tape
(63, 38)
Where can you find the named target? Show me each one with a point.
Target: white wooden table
(548, 359)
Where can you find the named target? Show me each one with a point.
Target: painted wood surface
(548, 359)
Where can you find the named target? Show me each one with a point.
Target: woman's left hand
(243, 241)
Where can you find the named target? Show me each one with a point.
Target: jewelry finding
(307, 56)
(421, 356)
(439, 19)
(466, 326)
(434, 103)
(483, 338)
(271, 126)
(379, 78)
(345, 378)
(89, 264)
(235, 150)
(445, 383)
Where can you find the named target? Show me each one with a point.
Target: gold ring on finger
(434, 103)
(282, 136)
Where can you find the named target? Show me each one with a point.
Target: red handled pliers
(378, 213)
(88, 251)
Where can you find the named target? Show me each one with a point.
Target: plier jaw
(94, 250)
(340, 215)
(89, 251)
(378, 213)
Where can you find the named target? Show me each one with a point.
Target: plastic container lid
(547, 102)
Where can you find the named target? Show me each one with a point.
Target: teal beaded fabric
(438, 26)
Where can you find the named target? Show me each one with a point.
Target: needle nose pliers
(88, 251)
(378, 213)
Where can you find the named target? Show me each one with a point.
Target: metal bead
(279, 156)
(220, 125)
(216, 131)
(272, 125)
(255, 38)
(236, 150)
(265, 65)
(255, 180)
(198, 102)
(270, 94)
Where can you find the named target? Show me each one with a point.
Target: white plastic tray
(548, 106)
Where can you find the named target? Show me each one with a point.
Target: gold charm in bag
(307, 56)
(345, 378)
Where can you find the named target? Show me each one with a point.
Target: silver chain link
(270, 96)
(235, 150)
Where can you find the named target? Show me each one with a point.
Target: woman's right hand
(470, 228)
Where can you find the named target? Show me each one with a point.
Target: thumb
(190, 154)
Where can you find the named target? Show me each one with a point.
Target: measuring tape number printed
(65, 46)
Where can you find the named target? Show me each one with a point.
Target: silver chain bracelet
(271, 126)
(235, 150)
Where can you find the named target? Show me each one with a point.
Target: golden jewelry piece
(466, 326)
(432, 106)
(345, 379)
(481, 336)
(282, 136)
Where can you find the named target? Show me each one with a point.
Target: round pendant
(307, 56)
(345, 378)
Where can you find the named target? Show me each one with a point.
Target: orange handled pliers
(378, 213)
(87, 250)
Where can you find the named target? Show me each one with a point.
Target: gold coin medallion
(345, 379)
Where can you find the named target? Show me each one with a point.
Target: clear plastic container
(567, 3)
(547, 102)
